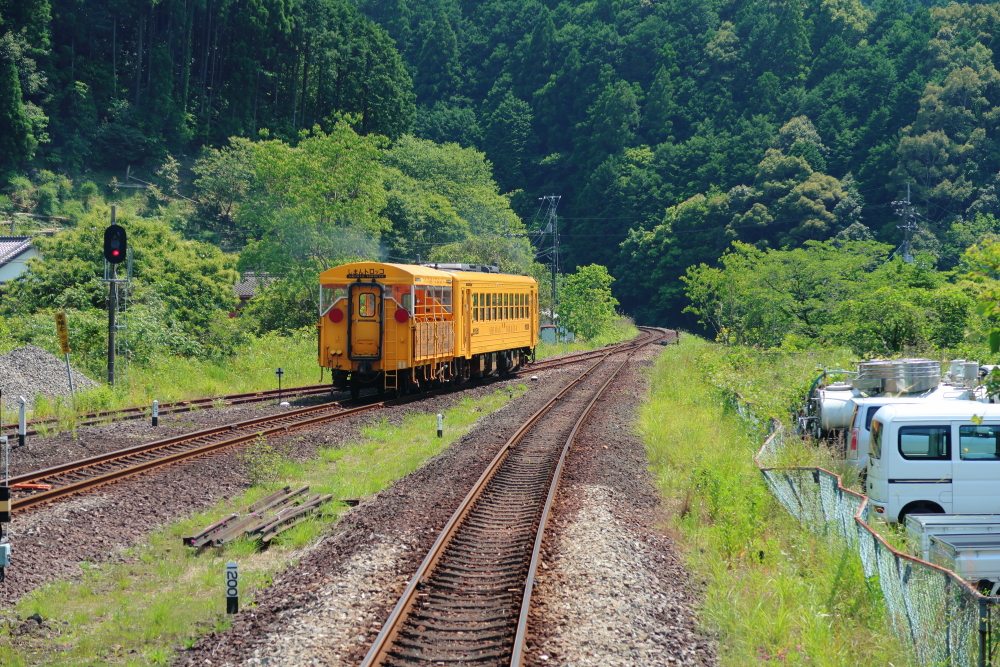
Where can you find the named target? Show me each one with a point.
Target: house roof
(12, 247)
(250, 283)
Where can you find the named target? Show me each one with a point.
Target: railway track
(468, 601)
(143, 411)
(43, 486)
(86, 474)
(210, 402)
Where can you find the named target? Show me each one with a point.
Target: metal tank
(898, 376)
(836, 407)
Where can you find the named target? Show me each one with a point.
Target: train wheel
(355, 390)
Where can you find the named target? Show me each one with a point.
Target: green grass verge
(169, 378)
(774, 592)
(164, 596)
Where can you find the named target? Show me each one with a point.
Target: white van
(933, 457)
(866, 407)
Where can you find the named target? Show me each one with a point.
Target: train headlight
(336, 315)
(402, 315)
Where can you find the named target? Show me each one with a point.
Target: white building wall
(18, 265)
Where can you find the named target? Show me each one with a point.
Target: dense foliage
(671, 129)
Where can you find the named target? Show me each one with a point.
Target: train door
(365, 323)
(467, 321)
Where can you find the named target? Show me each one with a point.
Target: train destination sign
(366, 273)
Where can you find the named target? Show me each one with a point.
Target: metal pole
(112, 309)
(22, 421)
(984, 611)
(156, 413)
(69, 375)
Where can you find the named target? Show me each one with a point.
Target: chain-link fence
(948, 623)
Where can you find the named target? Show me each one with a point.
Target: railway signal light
(115, 244)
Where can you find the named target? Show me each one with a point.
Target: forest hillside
(670, 129)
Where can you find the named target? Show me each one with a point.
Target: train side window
(475, 307)
(496, 302)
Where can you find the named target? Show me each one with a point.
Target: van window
(875, 444)
(980, 443)
(929, 443)
(868, 416)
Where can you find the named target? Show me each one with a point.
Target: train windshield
(329, 295)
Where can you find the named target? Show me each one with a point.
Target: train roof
(414, 273)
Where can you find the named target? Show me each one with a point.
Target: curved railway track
(210, 402)
(86, 474)
(468, 601)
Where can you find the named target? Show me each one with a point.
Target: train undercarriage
(432, 375)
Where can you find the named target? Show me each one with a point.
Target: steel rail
(281, 422)
(208, 402)
(278, 423)
(391, 629)
(529, 584)
(383, 641)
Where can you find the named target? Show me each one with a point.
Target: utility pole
(907, 211)
(553, 228)
(112, 311)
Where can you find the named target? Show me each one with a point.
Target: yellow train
(406, 327)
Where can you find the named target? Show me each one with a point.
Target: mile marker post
(156, 413)
(22, 421)
(279, 373)
(440, 425)
(232, 588)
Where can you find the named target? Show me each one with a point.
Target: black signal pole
(112, 310)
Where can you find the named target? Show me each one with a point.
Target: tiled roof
(12, 246)
(250, 283)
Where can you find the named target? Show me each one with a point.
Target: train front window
(366, 304)
(329, 295)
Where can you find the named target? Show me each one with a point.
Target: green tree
(438, 66)
(314, 205)
(586, 306)
(17, 142)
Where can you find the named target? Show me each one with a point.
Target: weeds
(775, 592)
(160, 596)
(263, 462)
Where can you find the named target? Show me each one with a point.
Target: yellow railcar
(401, 327)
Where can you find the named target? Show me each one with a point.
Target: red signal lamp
(336, 315)
(402, 315)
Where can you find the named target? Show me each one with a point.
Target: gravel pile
(31, 370)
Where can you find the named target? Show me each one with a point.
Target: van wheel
(921, 507)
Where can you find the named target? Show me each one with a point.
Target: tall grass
(174, 378)
(774, 592)
(163, 596)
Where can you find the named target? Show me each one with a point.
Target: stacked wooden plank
(263, 520)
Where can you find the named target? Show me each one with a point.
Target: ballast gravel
(612, 590)
(50, 542)
(29, 371)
